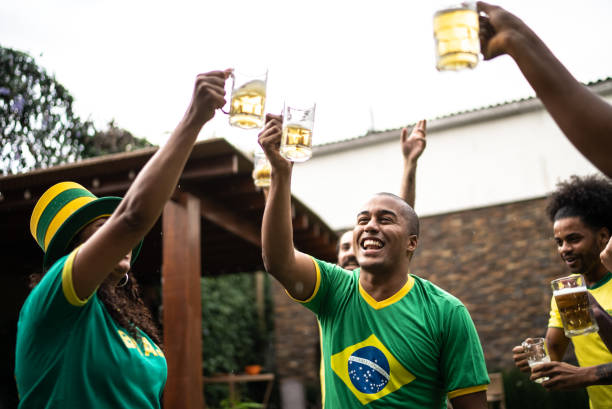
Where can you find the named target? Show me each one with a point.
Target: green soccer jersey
(409, 351)
(71, 354)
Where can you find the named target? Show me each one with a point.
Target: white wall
(498, 161)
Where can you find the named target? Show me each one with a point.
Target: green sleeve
(462, 358)
(332, 282)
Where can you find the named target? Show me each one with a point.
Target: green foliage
(229, 323)
(113, 140)
(231, 336)
(522, 393)
(38, 127)
(229, 404)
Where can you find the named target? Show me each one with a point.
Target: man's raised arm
(584, 117)
(295, 270)
(413, 146)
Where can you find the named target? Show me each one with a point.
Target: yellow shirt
(590, 349)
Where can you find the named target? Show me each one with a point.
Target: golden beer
(261, 175)
(456, 36)
(296, 143)
(536, 353)
(247, 105)
(575, 310)
(538, 362)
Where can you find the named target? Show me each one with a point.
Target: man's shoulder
(331, 268)
(436, 293)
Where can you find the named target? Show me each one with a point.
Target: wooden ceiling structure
(211, 226)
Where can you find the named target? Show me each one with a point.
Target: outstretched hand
(208, 96)
(270, 138)
(414, 145)
(496, 29)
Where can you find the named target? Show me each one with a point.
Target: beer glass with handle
(261, 170)
(456, 37)
(536, 351)
(573, 304)
(298, 123)
(248, 100)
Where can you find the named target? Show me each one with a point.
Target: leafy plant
(231, 336)
(236, 404)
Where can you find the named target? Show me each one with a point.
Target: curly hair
(124, 305)
(587, 197)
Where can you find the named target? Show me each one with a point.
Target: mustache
(350, 260)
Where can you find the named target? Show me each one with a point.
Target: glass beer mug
(456, 37)
(574, 306)
(536, 351)
(261, 170)
(248, 100)
(296, 140)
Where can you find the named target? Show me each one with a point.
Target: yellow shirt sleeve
(68, 285)
(555, 318)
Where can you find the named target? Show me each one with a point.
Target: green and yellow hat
(60, 214)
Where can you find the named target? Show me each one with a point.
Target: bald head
(406, 212)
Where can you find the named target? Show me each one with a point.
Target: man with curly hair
(581, 212)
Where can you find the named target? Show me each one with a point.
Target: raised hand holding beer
(270, 141)
(496, 28)
(208, 96)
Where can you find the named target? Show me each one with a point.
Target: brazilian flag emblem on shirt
(369, 370)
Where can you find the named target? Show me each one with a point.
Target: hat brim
(101, 207)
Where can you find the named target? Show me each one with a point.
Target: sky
(368, 65)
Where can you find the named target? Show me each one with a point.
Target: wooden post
(182, 303)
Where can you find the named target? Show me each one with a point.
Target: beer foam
(257, 86)
(569, 290)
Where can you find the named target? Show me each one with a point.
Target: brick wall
(296, 338)
(497, 260)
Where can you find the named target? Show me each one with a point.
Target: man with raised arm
(390, 339)
(413, 145)
(585, 118)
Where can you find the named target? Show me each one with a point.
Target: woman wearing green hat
(84, 337)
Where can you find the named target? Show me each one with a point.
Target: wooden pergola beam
(223, 165)
(182, 301)
(231, 222)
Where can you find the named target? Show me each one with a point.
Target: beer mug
(248, 100)
(573, 304)
(536, 351)
(296, 140)
(261, 170)
(456, 37)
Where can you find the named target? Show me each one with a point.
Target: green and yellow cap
(60, 214)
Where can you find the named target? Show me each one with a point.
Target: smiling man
(413, 145)
(581, 212)
(390, 339)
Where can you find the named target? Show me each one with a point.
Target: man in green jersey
(390, 339)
